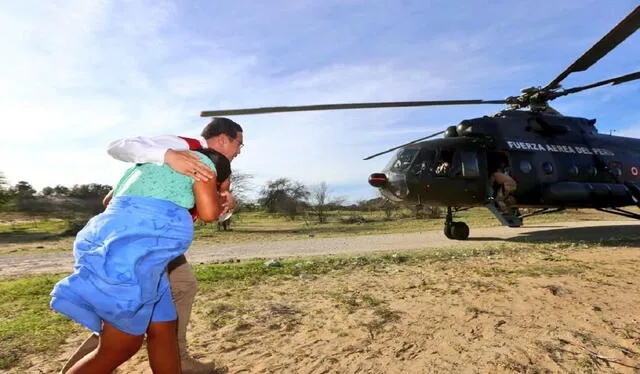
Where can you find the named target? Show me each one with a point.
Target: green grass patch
(34, 226)
(30, 234)
(255, 271)
(27, 325)
(260, 226)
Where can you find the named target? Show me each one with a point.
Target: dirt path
(20, 264)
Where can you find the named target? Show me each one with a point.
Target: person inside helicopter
(444, 164)
(503, 186)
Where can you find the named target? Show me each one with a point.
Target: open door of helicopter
(458, 177)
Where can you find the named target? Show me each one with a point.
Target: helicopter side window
(469, 164)
(443, 166)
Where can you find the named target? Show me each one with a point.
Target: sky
(77, 74)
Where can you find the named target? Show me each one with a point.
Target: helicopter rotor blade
(405, 144)
(617, 35)
(305, 108)
(612, 81)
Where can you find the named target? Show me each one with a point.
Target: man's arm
(145, 149)
(169, 149)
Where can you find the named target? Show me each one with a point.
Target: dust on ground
(553, 310)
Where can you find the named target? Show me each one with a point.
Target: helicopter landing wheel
(456, 230)
(448, 230)
(459, 231)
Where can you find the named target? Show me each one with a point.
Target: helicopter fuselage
(557, 161)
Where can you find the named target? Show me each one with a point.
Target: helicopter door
(467, 167)
(463, 164)
(469, 164)
(462, 181)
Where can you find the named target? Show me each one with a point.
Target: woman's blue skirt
(120, 272)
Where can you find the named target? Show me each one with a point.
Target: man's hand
(229, 202)
(189, 164)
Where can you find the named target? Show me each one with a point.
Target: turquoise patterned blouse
(160, 182)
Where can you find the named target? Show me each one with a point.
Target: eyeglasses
(240, 144)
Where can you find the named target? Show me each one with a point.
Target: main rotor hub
(534, 98)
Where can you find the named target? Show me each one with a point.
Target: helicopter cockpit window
(403, 160)
(423, 162)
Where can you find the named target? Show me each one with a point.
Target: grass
(25, 235)
(258, 226)
(254, 271)
(27, 325)
(33, 226)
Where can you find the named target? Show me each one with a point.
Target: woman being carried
(119, 287)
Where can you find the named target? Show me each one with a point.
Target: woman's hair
(223, 166)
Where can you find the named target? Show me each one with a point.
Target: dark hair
(223, 166)
(221, 125)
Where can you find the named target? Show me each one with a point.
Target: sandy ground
(557, 310)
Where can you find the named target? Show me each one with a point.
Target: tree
(57, 191)
(321, 202)
(283, 196)
(6, 194)
(23, 190)
(89, 191)
(3, 182)
(241, 183)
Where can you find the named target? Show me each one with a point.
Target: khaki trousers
(183, 290)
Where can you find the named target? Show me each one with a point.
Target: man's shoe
(192, 366)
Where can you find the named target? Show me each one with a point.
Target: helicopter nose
(378, 180)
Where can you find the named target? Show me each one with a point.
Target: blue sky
(77, 74)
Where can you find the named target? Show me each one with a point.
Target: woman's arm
(207, 203)
(107, 198)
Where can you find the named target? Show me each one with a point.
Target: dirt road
(595, 231)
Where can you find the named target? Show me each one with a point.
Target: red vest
(194, 145)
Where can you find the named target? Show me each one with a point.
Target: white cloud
(82, 73)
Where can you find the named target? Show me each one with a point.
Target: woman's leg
(115, 347)
(162, 345)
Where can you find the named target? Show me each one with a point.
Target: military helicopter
(557, 161)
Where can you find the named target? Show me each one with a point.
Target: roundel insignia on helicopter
(634, 171)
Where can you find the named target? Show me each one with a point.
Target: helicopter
(556, 161)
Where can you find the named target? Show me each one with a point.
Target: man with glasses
(222, 135)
